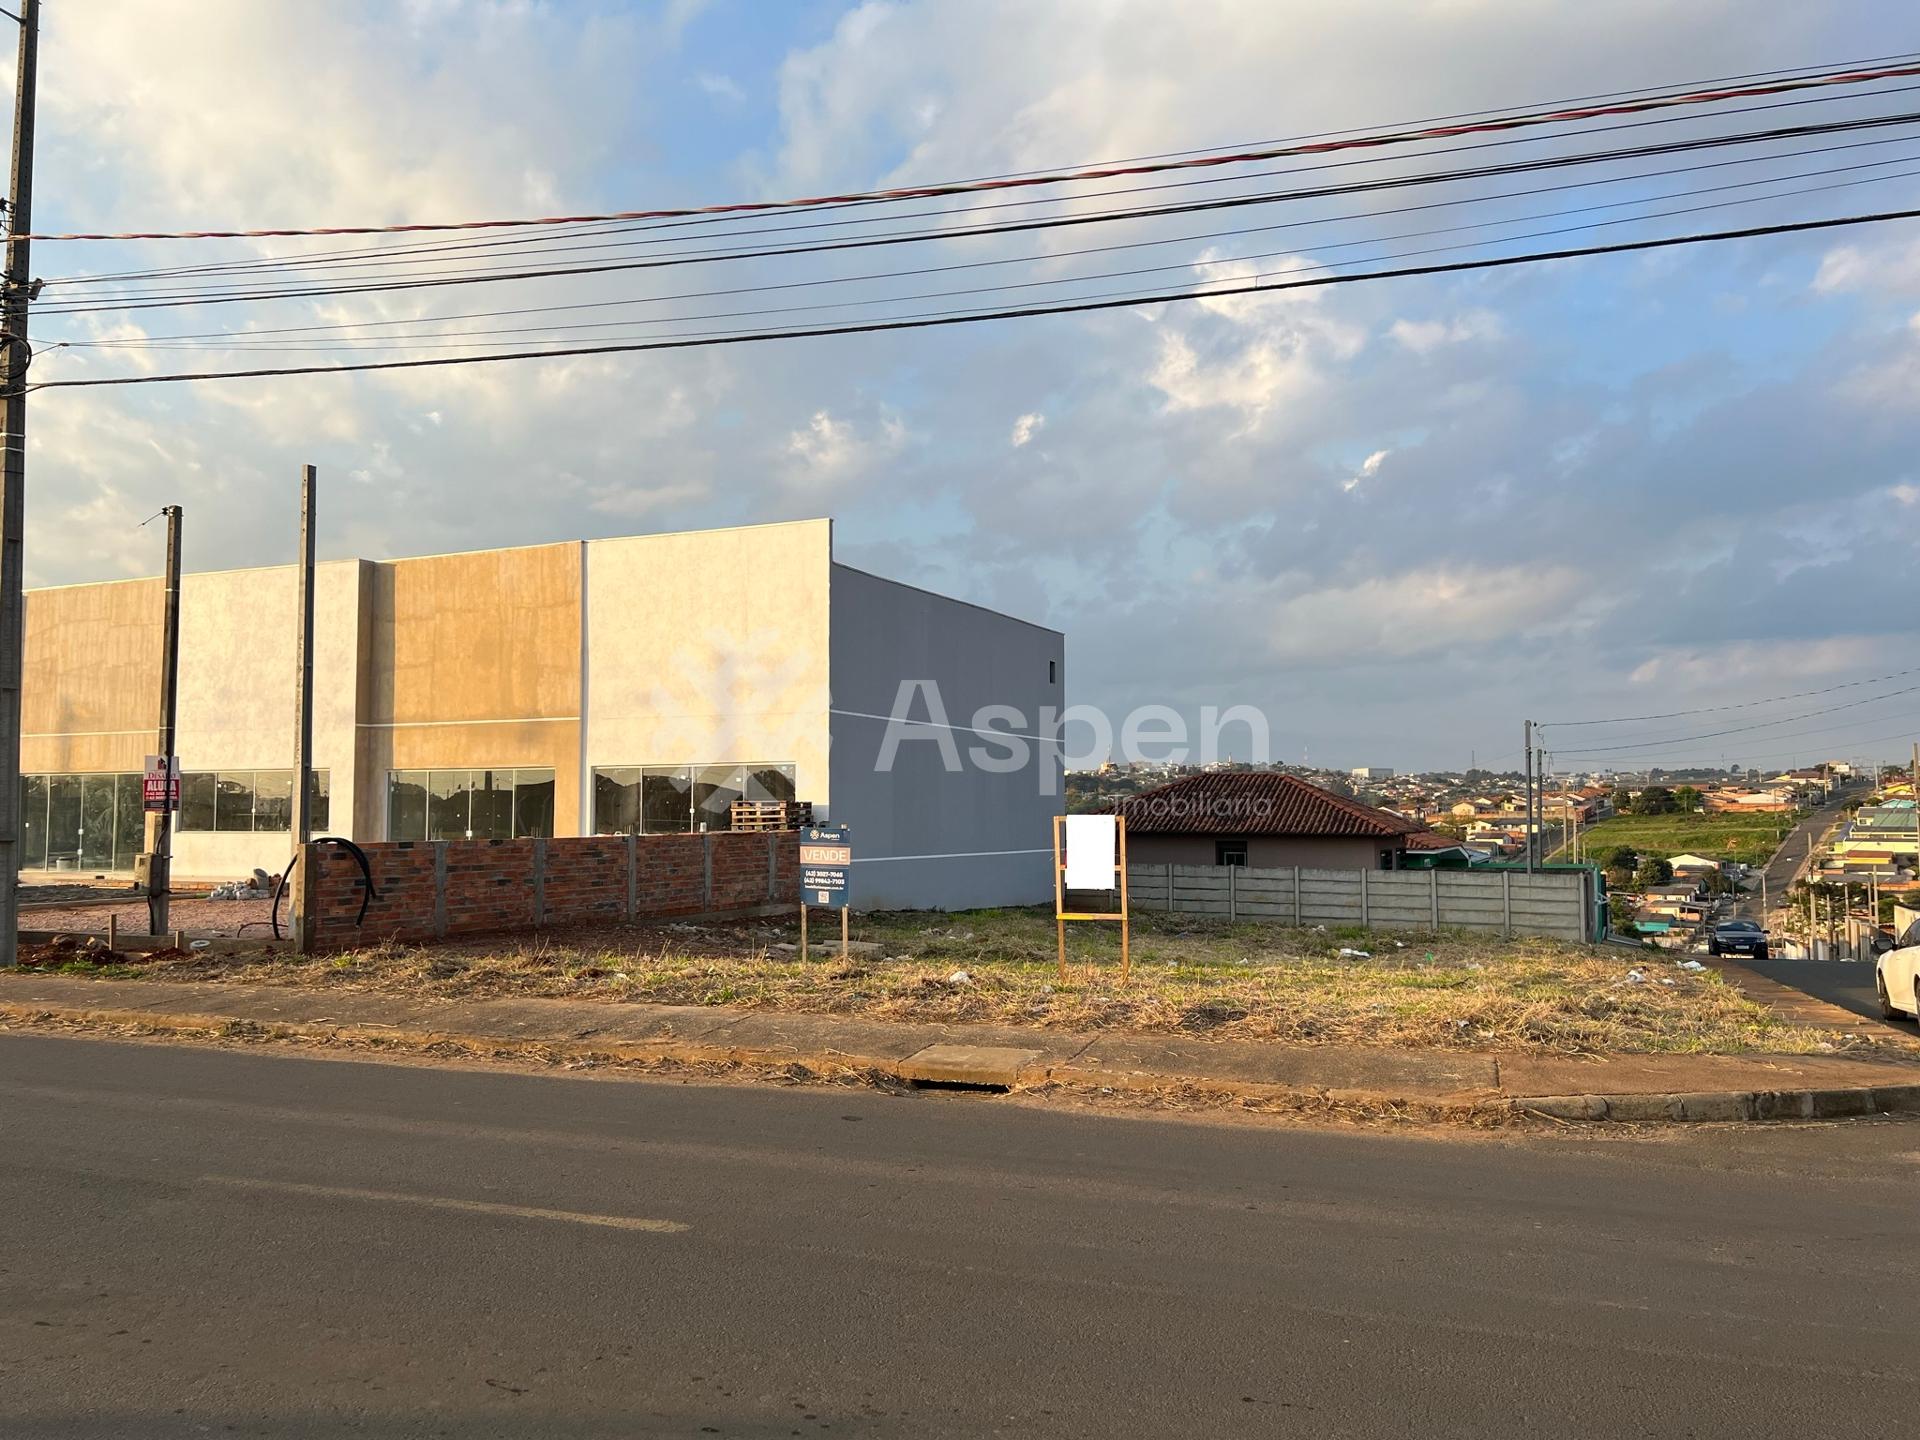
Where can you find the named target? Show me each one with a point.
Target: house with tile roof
(1264, 819)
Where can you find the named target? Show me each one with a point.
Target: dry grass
(1211, 978)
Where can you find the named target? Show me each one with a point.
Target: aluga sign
(826, 854)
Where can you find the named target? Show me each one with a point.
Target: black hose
(366, 869)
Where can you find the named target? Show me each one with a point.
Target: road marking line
(444, 1202)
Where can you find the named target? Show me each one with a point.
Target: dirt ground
(1213, 979)
(200, 917)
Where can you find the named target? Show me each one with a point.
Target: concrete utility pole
(303, 672)
(14, 356)
(1540, 804)
(160, 822)
(303, 713)
(1528, 730)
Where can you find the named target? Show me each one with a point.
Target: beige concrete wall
(697, 648)
(709, 646)
(92, 687)
(237, 655)
(473, 661)
(90, 680)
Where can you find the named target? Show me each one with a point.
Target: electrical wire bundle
(1640, 742)
(1780, 152)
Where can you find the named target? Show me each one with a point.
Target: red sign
(160, 787)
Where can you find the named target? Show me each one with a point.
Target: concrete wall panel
(926, 835)
(90, 682)
(710, 647)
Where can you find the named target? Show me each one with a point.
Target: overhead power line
(1011, 182)
(563, 240)
(1855, 743)
(1654, 757)
(1671, 741)
(433, 281)
(881, 326)
(1717, 709)
(444, 339)
(1051, 255)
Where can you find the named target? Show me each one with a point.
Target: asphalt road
(1846, 983)
(217, 1242)
(1792, 854)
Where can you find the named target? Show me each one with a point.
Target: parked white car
(1896, 975)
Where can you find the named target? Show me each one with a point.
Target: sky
(1396, 518)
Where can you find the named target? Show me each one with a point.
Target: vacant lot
(1244, 981)
(1748, 838)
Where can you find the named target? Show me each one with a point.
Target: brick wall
(428, 889)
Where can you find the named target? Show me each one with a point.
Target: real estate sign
(826, 855)
(160, 788)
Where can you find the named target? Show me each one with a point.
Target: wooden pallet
(760, 815)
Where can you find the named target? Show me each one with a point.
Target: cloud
(827, 455)
(1424, 336)
(1369, 468)
(721, 87)
(1570, 471)
(1419, 612)
(1888, 267)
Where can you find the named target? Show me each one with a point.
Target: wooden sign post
(1061, 915)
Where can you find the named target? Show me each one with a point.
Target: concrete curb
(1726, 1104)
(1475, 1106)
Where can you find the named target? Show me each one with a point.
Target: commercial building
(593, 687)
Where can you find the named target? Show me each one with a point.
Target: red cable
(1517, 122)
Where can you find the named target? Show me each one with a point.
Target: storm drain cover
(986, 1065)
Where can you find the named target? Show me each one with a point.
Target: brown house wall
(1264, 852)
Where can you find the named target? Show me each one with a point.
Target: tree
(1619, 877)
(1687, 799)
(1623, 857)
(1716, 883)
(1653, 871)
(1654, 800)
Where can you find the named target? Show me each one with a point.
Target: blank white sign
(1091, 850)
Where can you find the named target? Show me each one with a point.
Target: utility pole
(1540, 803)
(303, 670)
(14, 356)
(1528, 730)
(303, 710)
(160, 823)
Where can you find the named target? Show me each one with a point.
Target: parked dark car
(1738, 937)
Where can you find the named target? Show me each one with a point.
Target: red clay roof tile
(1256, 802)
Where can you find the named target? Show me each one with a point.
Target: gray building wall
(926, 835)
(1263, 851)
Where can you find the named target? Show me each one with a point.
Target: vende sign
(160, 788)
(826, 854)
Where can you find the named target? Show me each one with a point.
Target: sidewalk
(1436, 1083)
